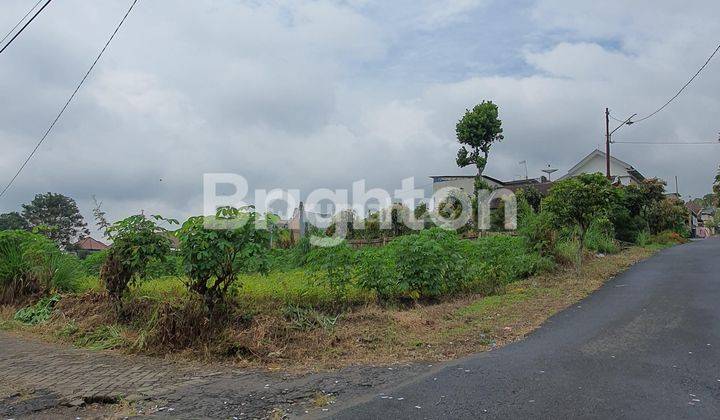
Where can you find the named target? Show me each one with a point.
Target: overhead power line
(716, 142)
(62, 110)
(19, 22)
(24, 26)
(682, 88)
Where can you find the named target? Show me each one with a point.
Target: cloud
(308, 94)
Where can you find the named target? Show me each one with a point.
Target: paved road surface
(646, 345)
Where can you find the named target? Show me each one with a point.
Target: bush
(338, 262)
(171, 265)
(643, 238)
(567, 251)
(376, 272)
(214, 257)
(38, 313)
(137, 241)
(600, 237)
(430, 263)
(94, 261)
(31, 264)
(668, 238)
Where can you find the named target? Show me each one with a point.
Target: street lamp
(608, 135)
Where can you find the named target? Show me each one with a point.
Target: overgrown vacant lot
(289, 320)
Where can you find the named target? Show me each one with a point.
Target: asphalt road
(646, 345)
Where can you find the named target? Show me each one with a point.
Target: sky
(318, 94)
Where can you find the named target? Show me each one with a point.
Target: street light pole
(607, 143)
(608, 138)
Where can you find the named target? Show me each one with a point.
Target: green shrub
(567, 251)
(94, 261)
(600, 237)
(32, 264)
(668, 238)
(338, 262)
(500, 260)
(137, 241)
(430, 263)
(643, 238)
(376, 272)
(40, 312)
(216, 249)
(171, 265)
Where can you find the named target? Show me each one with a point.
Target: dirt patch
(302, 340)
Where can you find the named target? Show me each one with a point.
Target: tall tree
(13, 221)
(56, 216)
(476, 131)
(576, 202)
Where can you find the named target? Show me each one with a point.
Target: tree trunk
(581, 251)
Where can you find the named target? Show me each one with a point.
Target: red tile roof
(90, 244)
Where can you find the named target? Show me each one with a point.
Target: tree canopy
(476, 131)
(56, 216)
(577, 202)
(13, 221)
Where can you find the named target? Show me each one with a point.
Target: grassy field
(283, 320)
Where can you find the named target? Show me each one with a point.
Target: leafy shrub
(338, 262)
(137, 240)
(643, 238)
(214, 257)
(94, 261)
(668, 238)
(171, 265)
(500, 260)
(376, 272)
(668, 215)
(600, 237)
(577, 202)
(567, 251)
(32, 264)
(40, 312)
(538, 230)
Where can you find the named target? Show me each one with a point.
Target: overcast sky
(308, 94)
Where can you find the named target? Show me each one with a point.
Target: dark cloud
(308, 94)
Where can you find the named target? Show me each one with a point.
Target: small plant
(137, 241)
(309, 319)
(214, 257)
(105, 337)
(38, 313)
(338, 262)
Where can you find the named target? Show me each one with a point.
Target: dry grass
(365, 335)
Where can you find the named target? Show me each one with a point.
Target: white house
(466, 183)
(621, 171)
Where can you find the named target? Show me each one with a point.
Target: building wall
(467, 184)
(597, 164)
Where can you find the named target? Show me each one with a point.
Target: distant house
(87, 246)
(621, 172)
(695, 222)
(707, 215)
(466, 183)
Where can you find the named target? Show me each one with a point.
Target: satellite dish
(549, 171)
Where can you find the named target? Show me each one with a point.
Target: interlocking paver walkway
(37, 376)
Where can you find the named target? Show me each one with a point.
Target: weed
(321, 399)
(38, 313)
(105, 337)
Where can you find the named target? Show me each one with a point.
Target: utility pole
(608, 138)
(607, 143)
